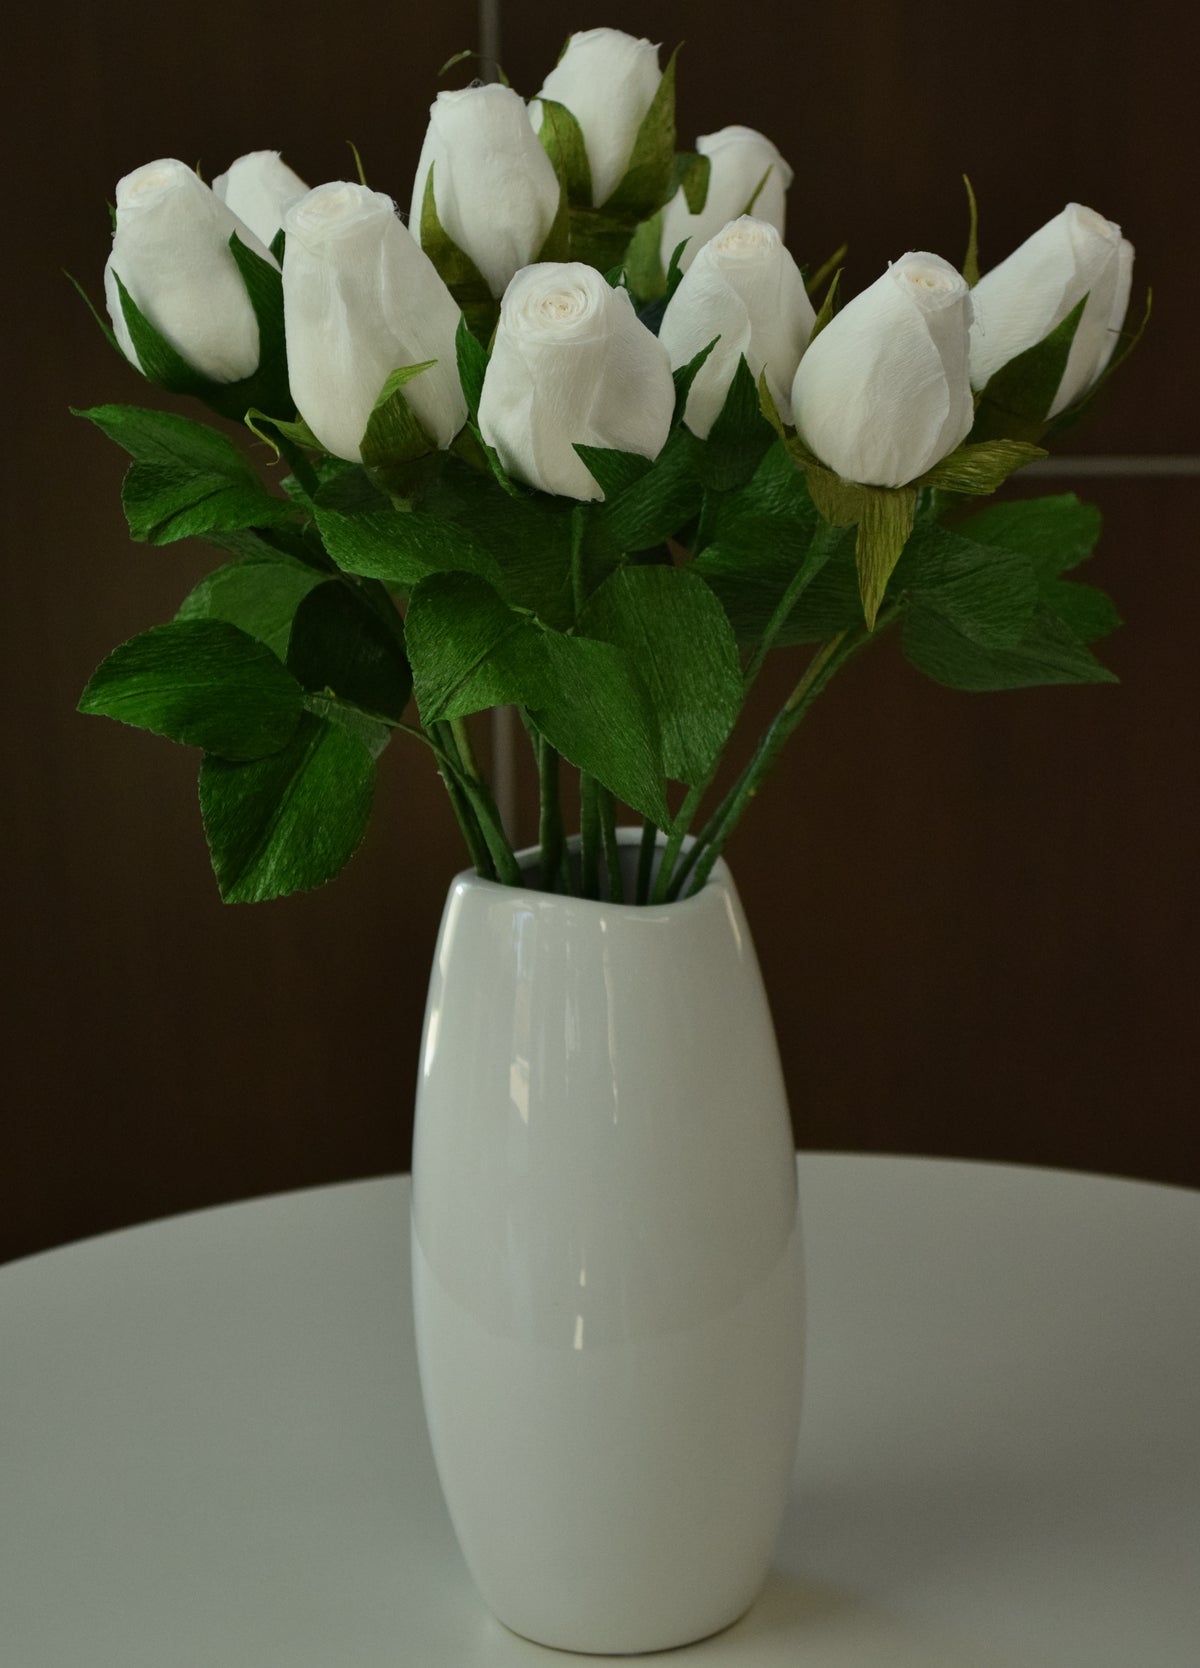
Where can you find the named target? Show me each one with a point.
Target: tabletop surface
(212, 1448)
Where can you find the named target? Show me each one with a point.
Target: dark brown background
(977, 915)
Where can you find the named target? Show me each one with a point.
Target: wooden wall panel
(977, 915)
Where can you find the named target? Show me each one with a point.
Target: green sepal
(884, 524)
(472, 358)
(395, 435)
(1016, 401)
(1082, 407)
(290, 821)
(740, 437)
(266, 387)
(691, 173)
(643, 261)
(817, 282)
(204, 683)
(562, 140)
(970, 266)
(296, 431)
(686, 375)
(341, 646)
(457, 270)
(979, 467)
(828, 307)
(644, 502)
(647, 183)
(105, 326)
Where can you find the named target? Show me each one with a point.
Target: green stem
(646, 860)
(680, 823)
(819, 548)
(589, 836)
(825, 663)
(550, 832)
(482, 804)
(467, 821)
(612, 855)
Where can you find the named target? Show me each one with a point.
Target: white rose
(494, 187)
(607, 80)
(1077, 253)
(360, 300)
(883, 392)
(572, 363)
(259, 187)
(738, 158)
(744, 288)
(171, 252)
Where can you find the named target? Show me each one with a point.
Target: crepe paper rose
(572, 364)
(494, 187)
(883, 393)
(1020, 301)
(745, 289)
(607, 80)
(361, 300)
(738, 157)
(259, 187)
(171, 251)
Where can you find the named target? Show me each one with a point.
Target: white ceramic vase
(606, 1261)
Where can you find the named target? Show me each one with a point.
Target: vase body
(606, 1261)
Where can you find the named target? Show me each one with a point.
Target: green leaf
(1016, 402)
(1055, 533)
(1086, 610)
(163, 504)
(673, 629)
(458, 271)
(259, 595)
(598, 715)
(647, 508)
(163, 438)
(469, 650)
(339, 644)
(987, 595)
(200, 682)
(290, 821)
(1049, 652)
(402, 547)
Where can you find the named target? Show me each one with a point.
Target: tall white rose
(572, 363)
(171, 252)
(607, 80)
(258, 187)
(360, 300)
(745, 289)
(738, 157)
(883, 392)
(494, 187)
(1077, 253)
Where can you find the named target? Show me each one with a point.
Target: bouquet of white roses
(576, 441)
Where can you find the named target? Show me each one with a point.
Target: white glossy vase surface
(606, 1261)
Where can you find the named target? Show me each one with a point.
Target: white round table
(213, 1454)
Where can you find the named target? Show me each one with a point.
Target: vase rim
(719, 878)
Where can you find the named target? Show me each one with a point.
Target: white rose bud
(607, 80)
(1020, 301)
(883, 393)
(259, 187)
(738, 158)
(171, 252)
(744, 288)
(572, 363)
(494, 187)
(360, 300)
